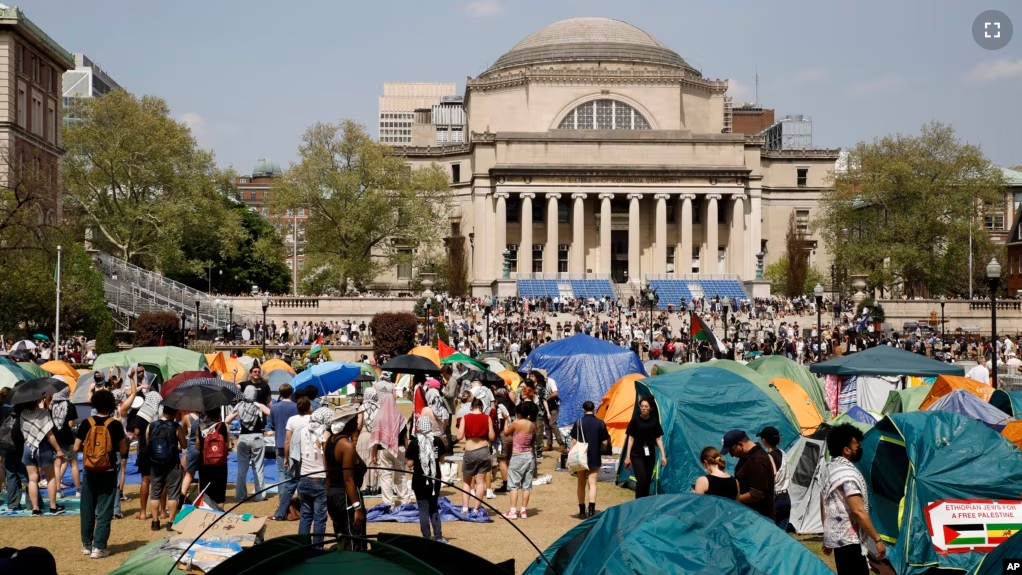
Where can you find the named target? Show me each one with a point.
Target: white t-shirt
(980, 373)
(295, 424)
(551, 386)
(313, 460)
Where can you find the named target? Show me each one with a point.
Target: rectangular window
(51, 125)
(562, 258)
(37, 116)
(721, 254)
(301, 211)
(562, 212)
(802, 177)
(537, 258)
(455, 229)
(670, 259)
(404, 269)
(994, 221)
(21, 58)
(695, 260)
(514, 209)
(44, 78)
(802, 221)
(22, 108)
(513, 258)
(35, 69)
(538, 213)
(455, 173)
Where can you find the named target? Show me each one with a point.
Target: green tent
(886, 360)
(12, 374)
(779, 366)
(696, 408)
(166, 361)
(146, 561)
(762, 382)
(677, 535)
(912, 460)
(845, 418)
(906, 400)
(33, 369)
(462, 358)
(1009, 402)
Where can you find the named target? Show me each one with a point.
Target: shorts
(476, 462)
(192, 460)
(506, 448)
(519, 472)
(164, 476)
(69, 452)
(43, 457)
(144, 464)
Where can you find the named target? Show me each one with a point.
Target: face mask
(856, 455)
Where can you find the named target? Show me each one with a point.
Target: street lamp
(724, 308)
(266, 304)
(943, 301)
(833, 289)
(993, 279)
(230, 322)
(649, 295)
(182, 328)
(486, 312)
(219, 304)
(198, 302)
(429, 304)
(818, 292)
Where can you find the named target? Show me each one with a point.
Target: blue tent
(965, 403)
(696, 408)
(1009, 402)
(678, 535)
(911, 460)
(584, 368)
(861, 415)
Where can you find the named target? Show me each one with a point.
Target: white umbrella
(24, 344)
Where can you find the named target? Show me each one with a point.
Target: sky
(249, 77)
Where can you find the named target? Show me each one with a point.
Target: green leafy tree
(777, 274)
(903, 210)
(364, 204)
(142, 185)
(796, 255)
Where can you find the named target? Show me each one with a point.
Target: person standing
(100, 439)
(63, 425)
(848, 531)
(345, 471)
(424, 455)
(166, 440)
(592, 431)
(370, 407)
(716, 481)
(386, 446)
(645, 436)
(771, 438)
(15, 474)
(312, 485)
(255, 379)
(755, 472)
(39, 454)
(281, 411)
(520, 469)
(292, 456)
(212, 444)
(980, 372)
(251, 447)
(476, 429)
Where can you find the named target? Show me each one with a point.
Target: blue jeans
(286, 488)
(17, 478)
(312, 492)
(251, 452)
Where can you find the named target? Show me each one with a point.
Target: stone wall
(318, 309)
(963, 314)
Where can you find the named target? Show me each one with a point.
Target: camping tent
(809, 418)
(229, 367)
(856, 416)
(167, 361)
(675, 535)
(426, 352)
(271, 365)
(885, 360)
(945, 384)
(584, 368)
(965, 403)
(906, 400)
(696, 408)
(951, 456)
(617, 406)
(806, 466)
(1009, 402)
(779, 366)
(993, 563)
(1013, 432)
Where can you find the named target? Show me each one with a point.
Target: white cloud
(877, 85)
(201, 131)
(484, 8)
(739, 92)
(996, 70)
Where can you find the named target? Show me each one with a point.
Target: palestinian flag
(444, 349)
(998, 533)
(965, 534)
(700, 332)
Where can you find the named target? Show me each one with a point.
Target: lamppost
(993, 279)
(833, 290)
(943, 301)
(266, 304)
(429, 304)
(230, 322)
(486, 312)
(198, 302)
(218, 304)
(182, 328)
(818, 292)
(649, 295)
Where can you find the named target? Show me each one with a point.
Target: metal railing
(565, 276)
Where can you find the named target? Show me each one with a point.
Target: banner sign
(963, 525)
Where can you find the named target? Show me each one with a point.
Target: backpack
(214, 448)
(162, 441)
(98, 445)
(11, 438)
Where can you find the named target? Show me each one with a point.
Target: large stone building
(595, 151)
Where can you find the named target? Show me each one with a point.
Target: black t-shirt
(116, 434)
(644, 433)
(420, 484)
(263, 393)
(142, 425)
(755, 474)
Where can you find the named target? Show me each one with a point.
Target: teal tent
(1009, 402)
(166, 361)
(906, 400)
(696, 408)
(886, 360)
(911, 460)
(677, 535)
(779, 366)
(993, 563)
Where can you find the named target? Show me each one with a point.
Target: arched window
(604, 115)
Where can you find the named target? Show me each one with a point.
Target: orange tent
(427, 352)
(57, 367)
(1013, 432)
(801, 404)
(229, 368)
(275, 364)
(512, 379)
(216, 362)
(945, 384)
(617, 407)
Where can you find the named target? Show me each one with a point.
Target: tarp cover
(965, 403)
(675, 535)
(409, 513)
(906, 400)
(696, 408)
(779, 366)
(952, 457)
(169, 360)
(584, 368)
(886, 360)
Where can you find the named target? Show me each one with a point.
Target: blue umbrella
(327, 377)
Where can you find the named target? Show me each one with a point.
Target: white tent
(806, 464)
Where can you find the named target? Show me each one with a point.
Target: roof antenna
(757, 85)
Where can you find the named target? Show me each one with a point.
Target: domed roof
(589, 40)
(265, 167)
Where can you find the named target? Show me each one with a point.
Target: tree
(150, 327)
(903, 210)
(366, 206)
(777, 274)
(28, 194)
(393, 333)
(142, 185)
(455, 270)
(796, 253)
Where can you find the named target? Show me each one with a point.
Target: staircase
(625, 291)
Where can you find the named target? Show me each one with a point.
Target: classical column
(479, 227)
(685, 228)
(578, 235)
(500, 230)
(660, 237)
(749, 266)
(708, 261)
(525, 248)
(737, 236)
(550, 251)
(634, 253)
(605, 247)
(756, 229)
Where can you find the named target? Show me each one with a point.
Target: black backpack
(162, 441)
(11, 438)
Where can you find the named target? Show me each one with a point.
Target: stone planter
(859, 284)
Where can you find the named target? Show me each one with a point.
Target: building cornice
(718, 173)
(432, 151)
(13, 16)
(604, 136)
(821, 154)
(596, 77)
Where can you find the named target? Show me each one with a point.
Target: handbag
(578, 457)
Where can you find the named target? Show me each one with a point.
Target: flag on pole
(699, 332)
(204, 503)
(444, 349)
(314, 351)
(319, 339)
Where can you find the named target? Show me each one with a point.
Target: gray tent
(806, 466)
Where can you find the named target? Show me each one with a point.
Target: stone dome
(265, 168)
(589, 40)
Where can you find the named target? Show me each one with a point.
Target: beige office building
(595, 151)
(398, 104)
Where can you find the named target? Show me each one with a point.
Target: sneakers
(124, 497)
(464, 511)
(86, 549)
(155, 525)
(490, 494)
(100, 553)
(522, 514)
(511, 514)
(442, 540)
(501, 489)
(58, 510)
(37, 513)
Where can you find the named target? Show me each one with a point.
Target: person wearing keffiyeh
(251, 445)
(63, 428)
(423, 457)
(312, 485)
(385, 444)
(370, 406)
(41, 450)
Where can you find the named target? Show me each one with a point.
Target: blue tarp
(861, 415)
(678, 535)
(962, 402)
(409, 513)
(584, 368)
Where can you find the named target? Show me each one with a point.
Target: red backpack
(214, 448)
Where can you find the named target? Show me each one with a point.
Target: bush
(256, 353)
(440, 333)
(876, 311)
(149, 326)
(325, 353)
(393, 333)
(106, 339)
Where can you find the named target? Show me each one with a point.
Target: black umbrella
(411, 364)
(199, 398)
(230, 388)
(34, 390)
(360, 382)
(485, 377)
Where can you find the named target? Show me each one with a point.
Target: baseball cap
(733, 438)
(770, 434)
